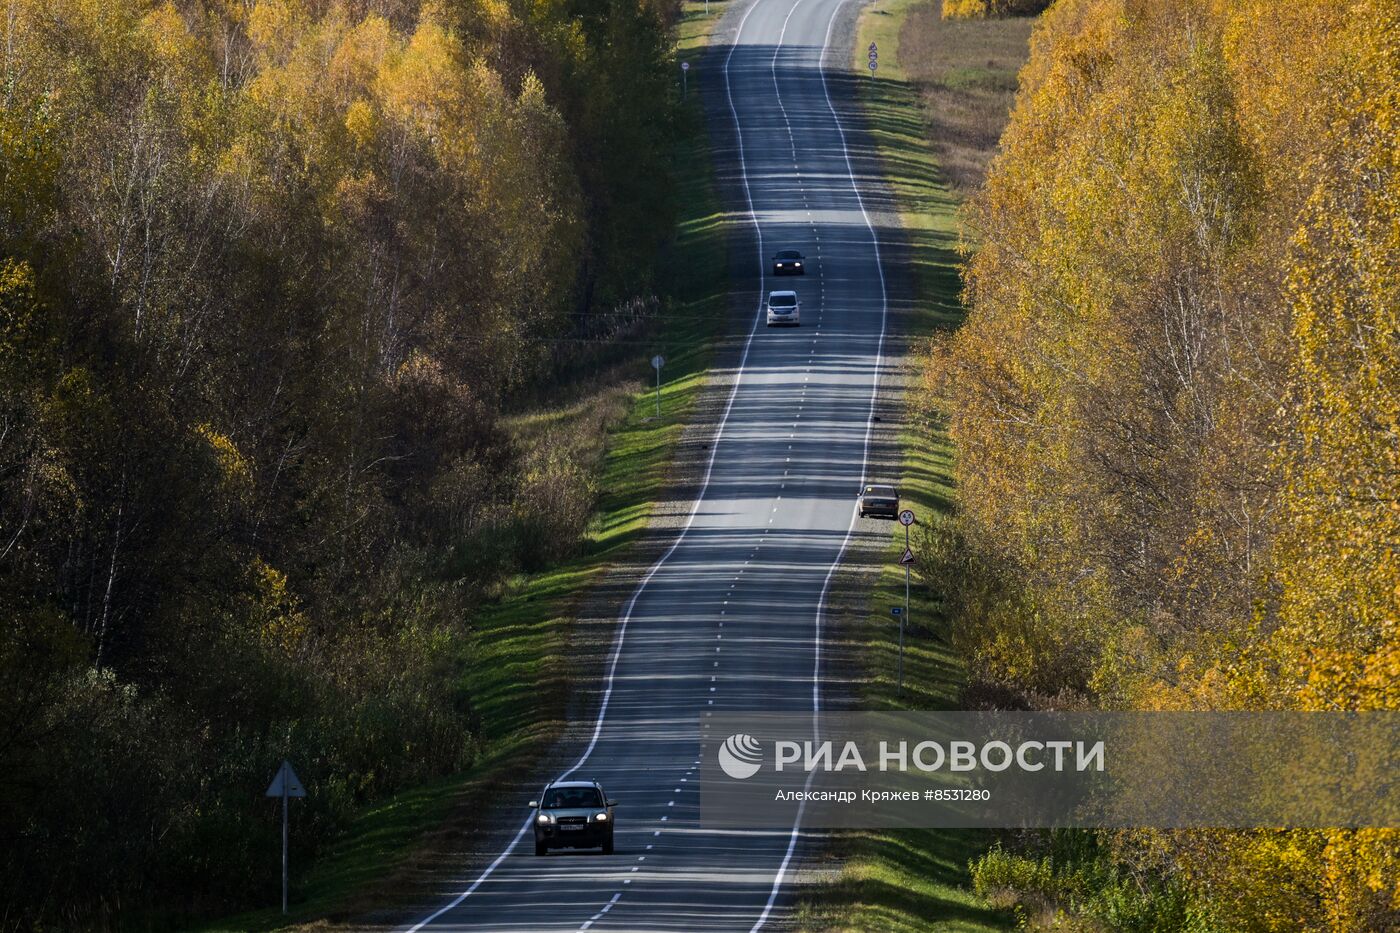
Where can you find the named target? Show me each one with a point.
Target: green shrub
(1066, 880)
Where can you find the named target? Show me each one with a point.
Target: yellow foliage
(984, 9)
(1177, 394)
(1339, 548)
(275, 25)
(234, 467)
(270, 273)
(362, 122)
(17, 309)
(172, 43)
(282, 624)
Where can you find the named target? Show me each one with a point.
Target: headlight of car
(601, 818)
(544, 818)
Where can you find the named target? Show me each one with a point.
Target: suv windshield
(789, 254)
(783, 301)
(563, 798)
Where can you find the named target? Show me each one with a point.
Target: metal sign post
(685, 71)
(656, 363)
(898, 613)
(906, 518)
(874, 57)
(285, 784)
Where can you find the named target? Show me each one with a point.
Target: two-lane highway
(731, 616)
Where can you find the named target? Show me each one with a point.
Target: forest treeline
(269, 272)
(1176, 402)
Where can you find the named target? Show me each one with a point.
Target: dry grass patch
(965, 73)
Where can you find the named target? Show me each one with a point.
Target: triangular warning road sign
(286, 778)
(907, 557)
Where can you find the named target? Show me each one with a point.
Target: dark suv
(573, 815)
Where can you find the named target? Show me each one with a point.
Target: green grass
(928, 213)
(695, 25)
(906, 880)
(518, 644)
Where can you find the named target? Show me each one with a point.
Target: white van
(783, 308)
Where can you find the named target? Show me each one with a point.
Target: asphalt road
(731, 616)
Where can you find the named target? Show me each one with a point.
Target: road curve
(730, 617)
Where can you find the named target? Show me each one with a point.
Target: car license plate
(571, 827)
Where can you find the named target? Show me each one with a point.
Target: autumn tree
(1174, 400)
(270, 273)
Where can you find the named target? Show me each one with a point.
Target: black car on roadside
(788, 262)
(573, 815)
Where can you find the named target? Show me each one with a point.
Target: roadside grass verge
(516, 647)
(694, 28)
(935, 112)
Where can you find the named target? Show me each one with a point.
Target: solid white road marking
(690, 520)
(865, 463)
(622, 630)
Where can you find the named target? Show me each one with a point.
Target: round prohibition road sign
(874, 64)
(906, 517)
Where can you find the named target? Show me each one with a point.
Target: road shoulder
(905, 880)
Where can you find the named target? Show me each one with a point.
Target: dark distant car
(573, 815)
(879, 502)
(788, 262)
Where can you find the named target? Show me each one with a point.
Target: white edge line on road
(700, 497)
(864, 465)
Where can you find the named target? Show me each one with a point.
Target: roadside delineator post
(657, 362)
